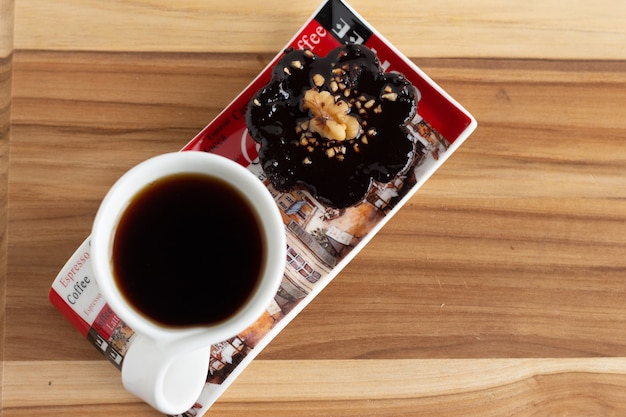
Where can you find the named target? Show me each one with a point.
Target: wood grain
(497, 290)
(546, 29)
(350, 388)
(6, 71)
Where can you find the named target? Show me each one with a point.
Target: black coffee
(188, 251)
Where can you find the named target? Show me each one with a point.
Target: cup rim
(117, 199)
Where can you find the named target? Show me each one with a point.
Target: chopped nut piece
(286, 71)
(390, 96)
(318, 80)
(297, 64)
(368, 104)
(307, 161)
(334, 86)
(308, 53)
(330, 152)
(256, 102)
(388, 89)
(378, 109)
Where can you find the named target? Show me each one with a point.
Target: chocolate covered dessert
(333, 124)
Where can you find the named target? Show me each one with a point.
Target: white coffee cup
(165, 366)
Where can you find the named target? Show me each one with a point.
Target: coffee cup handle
(162, 375)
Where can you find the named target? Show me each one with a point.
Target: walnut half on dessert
(333, 124)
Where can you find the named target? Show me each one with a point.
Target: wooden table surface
(498, 290)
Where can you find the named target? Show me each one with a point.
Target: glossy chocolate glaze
(338, 173)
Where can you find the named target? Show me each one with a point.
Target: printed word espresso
(70, 277)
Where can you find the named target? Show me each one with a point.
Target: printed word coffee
(188, 251)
